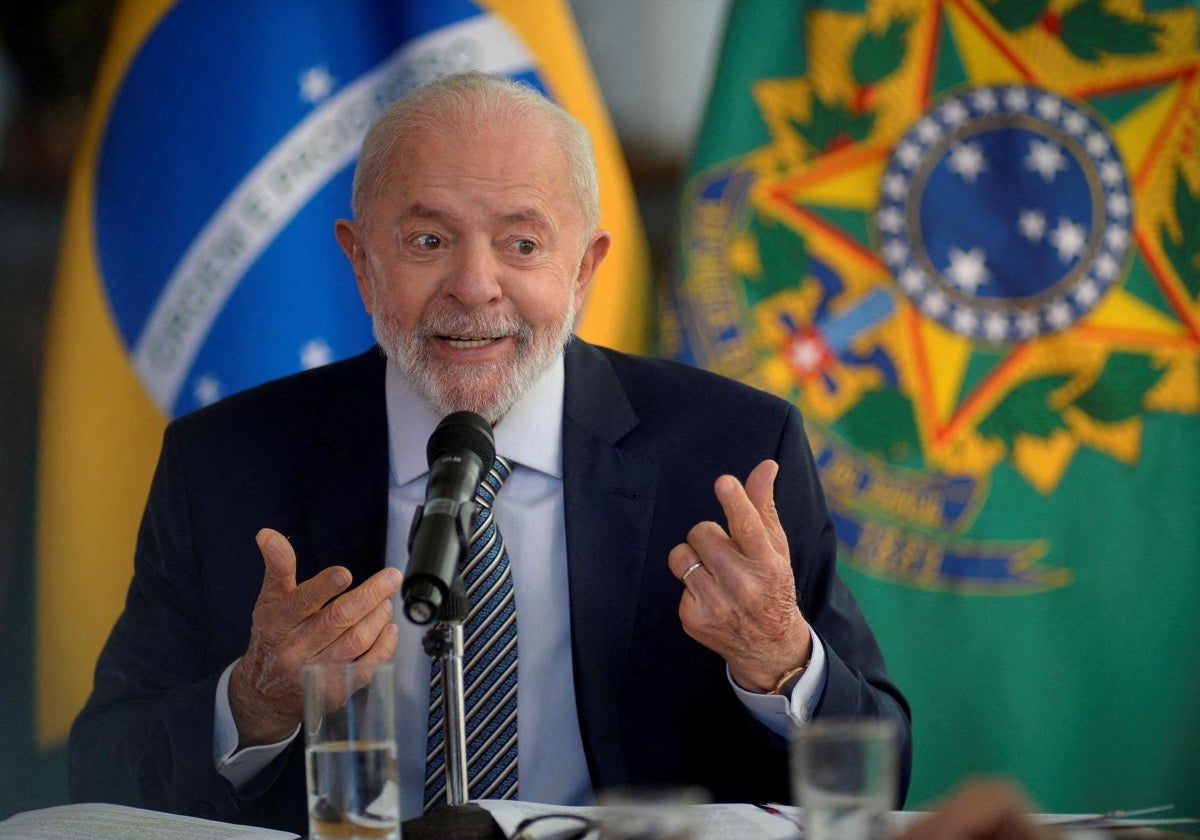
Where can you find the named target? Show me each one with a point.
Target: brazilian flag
(964, 238)
(198, 259)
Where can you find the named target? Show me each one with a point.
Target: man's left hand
(740, 601)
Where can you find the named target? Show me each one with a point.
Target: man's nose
(474, 279)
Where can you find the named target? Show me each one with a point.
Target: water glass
(844, 775)
(656, 812)
(350, 751)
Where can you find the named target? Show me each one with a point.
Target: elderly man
(474, 241)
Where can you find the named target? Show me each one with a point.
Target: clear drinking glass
(350, 751)
(656, 812)
(844, 775)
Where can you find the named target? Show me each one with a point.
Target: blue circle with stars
(1005, 213)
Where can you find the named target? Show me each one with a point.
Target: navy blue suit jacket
(643, 441)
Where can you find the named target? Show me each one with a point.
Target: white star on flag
(891, 220)
(911, 280)
(207, 389)
(928, 130)
(315, 84)
(1046, 159)
(995, 325)
(1027, 324)
(1087, 293)
(1017, 99)
(964, 321)
(895, 250)
(909, 155)
(1116, 237)
(935, 304)
(1111, 173)
(315, 353)
(1068, 238)
(1032, 224)
(953, 113)
(968, 269)
(967, 161)
(985, 100)
(894, 186)
(1058, 314)
(1049, 108)
(1075, 123)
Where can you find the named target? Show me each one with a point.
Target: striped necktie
(489, 664)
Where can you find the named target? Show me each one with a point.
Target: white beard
(490, 389)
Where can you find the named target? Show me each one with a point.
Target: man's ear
(349, 236)
(593, 255)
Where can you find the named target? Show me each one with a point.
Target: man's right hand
(299, 623)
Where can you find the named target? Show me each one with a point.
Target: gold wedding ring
(690, 569)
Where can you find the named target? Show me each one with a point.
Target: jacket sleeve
(145, 736)
(857, 683)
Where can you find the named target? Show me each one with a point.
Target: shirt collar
(529, 435)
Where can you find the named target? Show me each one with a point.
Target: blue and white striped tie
(489, 664)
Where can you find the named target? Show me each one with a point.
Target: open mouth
(464, 342)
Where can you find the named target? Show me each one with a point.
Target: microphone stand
(445, 639)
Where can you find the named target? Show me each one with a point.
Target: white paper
(714, 822)
(118, 822)
(783, 822)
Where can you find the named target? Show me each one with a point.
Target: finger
(350, 608)
(385, 645)
(691, 568)
(760, 489)
(359, 637)
(381, 651)
(746, 527)
(279, 560)
(681, 558)
(712, 546)
(310, 597)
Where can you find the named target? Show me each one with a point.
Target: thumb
(279, 559)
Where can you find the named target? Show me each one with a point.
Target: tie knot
(493, 481)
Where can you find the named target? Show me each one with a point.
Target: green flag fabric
(964, 237)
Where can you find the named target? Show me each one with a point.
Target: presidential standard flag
(199, 256)
(964, 237)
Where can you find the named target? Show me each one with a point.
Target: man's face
(472, 261)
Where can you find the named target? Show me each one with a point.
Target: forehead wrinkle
(521, 215)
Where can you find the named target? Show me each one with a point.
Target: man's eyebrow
(529, 215)
(424, 211)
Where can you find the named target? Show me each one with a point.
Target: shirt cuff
(238, 766)
(781, 713)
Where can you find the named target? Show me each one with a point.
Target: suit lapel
(347, 482)
(608, 499)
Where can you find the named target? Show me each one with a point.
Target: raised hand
(739, 594)
(293, 624)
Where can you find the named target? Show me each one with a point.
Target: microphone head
(462, 430)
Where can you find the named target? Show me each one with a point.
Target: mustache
(472, 325)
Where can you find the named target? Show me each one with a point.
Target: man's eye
(427, 241)
(524, 247)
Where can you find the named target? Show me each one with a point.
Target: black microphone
(460, 452)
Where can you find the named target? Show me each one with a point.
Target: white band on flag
(271, 195)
